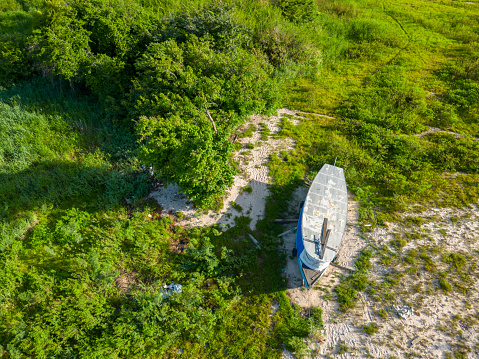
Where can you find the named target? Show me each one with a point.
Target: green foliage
(290, 327)
(343, 348)
(298, 11)
(236, 206)
(430, 265)
(363, 262)
(55, 147)
(247, 132)
(410, 257)
(348, 288)
(95, 42)
(265, 132)
(382, 313)
(80, 266)
(181, 89)
(15, 62)
(444, 284)
(316, 316)
(289, 52)
(247, 189)
(418, 221)
(371, 328)
(456, 260)
(81, 277)
(215, 20)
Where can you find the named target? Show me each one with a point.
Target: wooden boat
(322, 223)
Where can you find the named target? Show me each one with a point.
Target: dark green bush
(197, 96)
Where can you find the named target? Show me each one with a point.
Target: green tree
(189, 98)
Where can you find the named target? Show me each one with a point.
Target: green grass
(248, 132)
(265, 132)
(371, 328)
(381, 94)
(236, 206)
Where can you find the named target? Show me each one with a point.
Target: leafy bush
(348, 288)
(197, 96)
(371, 328)
(215, 20)
(316, 316)
(290, 328)
(444, 284)
(456, 260)
(93, 42)
(289, 51)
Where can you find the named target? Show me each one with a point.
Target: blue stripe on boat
(300, 246)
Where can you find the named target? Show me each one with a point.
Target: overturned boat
(322, 223)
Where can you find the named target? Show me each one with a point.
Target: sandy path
(254, 173)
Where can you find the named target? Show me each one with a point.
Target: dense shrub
(215, 20)
(192, 97)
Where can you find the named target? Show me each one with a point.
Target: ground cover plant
(94, 93)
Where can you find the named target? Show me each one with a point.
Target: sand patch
(438, 321)
(254, 173)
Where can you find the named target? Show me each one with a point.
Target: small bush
(265, 132)
(398, 242)
(317, 316)
(416, 220)
(298, 11)
(418, 288)
(343, 348)
(444, 284)
(363, 262)
(236, 206)
(456, 260)
(248, 132)
(383, 314)
(371, 328)
(248, 189)
(413, 235)
(411, 256)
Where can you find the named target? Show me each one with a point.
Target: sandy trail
(254, 173)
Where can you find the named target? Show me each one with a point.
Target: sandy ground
(438, 323)
(254, 173)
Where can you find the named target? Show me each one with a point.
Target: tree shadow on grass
(83, 182)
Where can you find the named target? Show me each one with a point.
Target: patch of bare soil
(125, 281)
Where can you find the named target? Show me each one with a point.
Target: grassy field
(83, 254)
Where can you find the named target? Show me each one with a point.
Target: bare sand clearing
(437, 322)
(254, 173)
